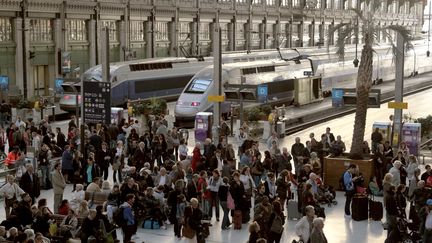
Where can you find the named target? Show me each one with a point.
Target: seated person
(69, 225)
(374, 188)
(90, 226)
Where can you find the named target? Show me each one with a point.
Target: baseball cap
(429, 202)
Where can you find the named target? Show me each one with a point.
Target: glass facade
(40, 30)
(161, 31)
(136, 31)
(112, 27)
(77, 30)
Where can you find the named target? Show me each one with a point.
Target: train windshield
(198, 86)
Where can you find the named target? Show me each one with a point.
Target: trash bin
(280, 129)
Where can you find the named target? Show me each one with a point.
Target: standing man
(330, 136)
(128, 228)
(376, 138)
(67, 163)
(30, 183)
(297, 153)
(427, 235)
(59, 185)
(61, 138)
(349, 187)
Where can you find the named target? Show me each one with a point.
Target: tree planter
(334, 167)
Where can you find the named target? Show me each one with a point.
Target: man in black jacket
(30, 183)
(61, 138)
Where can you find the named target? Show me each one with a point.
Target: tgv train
(158, 77)
(333, 71)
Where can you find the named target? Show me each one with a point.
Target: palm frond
(344, 34)
(402, 30)
(376, 6)
(359, 13)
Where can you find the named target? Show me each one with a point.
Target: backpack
(277, 225)
(118, 217)
(342, 183)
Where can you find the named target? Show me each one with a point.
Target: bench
(97, 198)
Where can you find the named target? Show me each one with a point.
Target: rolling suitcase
(293, 212)
(237, 219)
(375, 210)
(359, 207)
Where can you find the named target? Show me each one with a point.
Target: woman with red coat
(196, 157)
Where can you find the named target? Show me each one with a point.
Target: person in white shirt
(19, 122)
(163, 179)
(183, 150)
(10, 192)
(77, 197)
(305, 225)
(213, 185)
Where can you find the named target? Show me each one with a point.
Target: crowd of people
(159, 182)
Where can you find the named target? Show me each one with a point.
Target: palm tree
(370, 30)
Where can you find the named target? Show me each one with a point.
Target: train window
(266, 69)
(150, 66)
(246, 71)
(198, 86)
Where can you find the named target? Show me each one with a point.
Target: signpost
(97, 102)
(262, 91)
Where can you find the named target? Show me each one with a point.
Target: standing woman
(196, 157)
(276, 223)
(249, 186)
(176, 142)
(282, 187)
(182, 150)
(10, 192)
(118, 162)
(238, 192)
(230, 156)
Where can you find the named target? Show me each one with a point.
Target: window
(297, 3)
(161, 29)
(255, 31)
(204, 31)
(224, 31)
(5, 30)
(285, 3)
(136, 31)
(198, 86)
(112, 28)
(40, 30)
(77, 30)
(256, 1)
(240, 1)
(184, 30)
(270, 2)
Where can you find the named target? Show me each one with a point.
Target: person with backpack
(348, 187)
(125, 218)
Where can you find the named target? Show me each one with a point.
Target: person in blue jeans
(348, 181)
(223, 197)
(129, 229)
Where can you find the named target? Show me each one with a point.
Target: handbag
(53, 229)
(230, 202)
(188, 232)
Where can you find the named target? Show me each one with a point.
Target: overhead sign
(97, 102)
(262, 91)
(216, 98)
(398, 105)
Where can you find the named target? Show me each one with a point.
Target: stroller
(325, 195)
(406, 232)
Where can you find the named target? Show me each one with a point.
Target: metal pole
(217, 77)
(415, 59)
(105, 54)
(429, 29)
(399, 81)
(24, 6)
(356, 61)
(242, 81)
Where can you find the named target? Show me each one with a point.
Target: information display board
(97, 102)
(411, 134)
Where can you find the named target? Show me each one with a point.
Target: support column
(289, 30)
(19, 71)
(59, 46)
(300, 34)
(149, 38)
(312, 34)
(248, 35)
(124, 47)
(91, 33)
(399, 83)
(321, 33)
(173, 37)
(331, 35)
(194, 38)
(262, 35)
(278, 38)
(231, 36)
